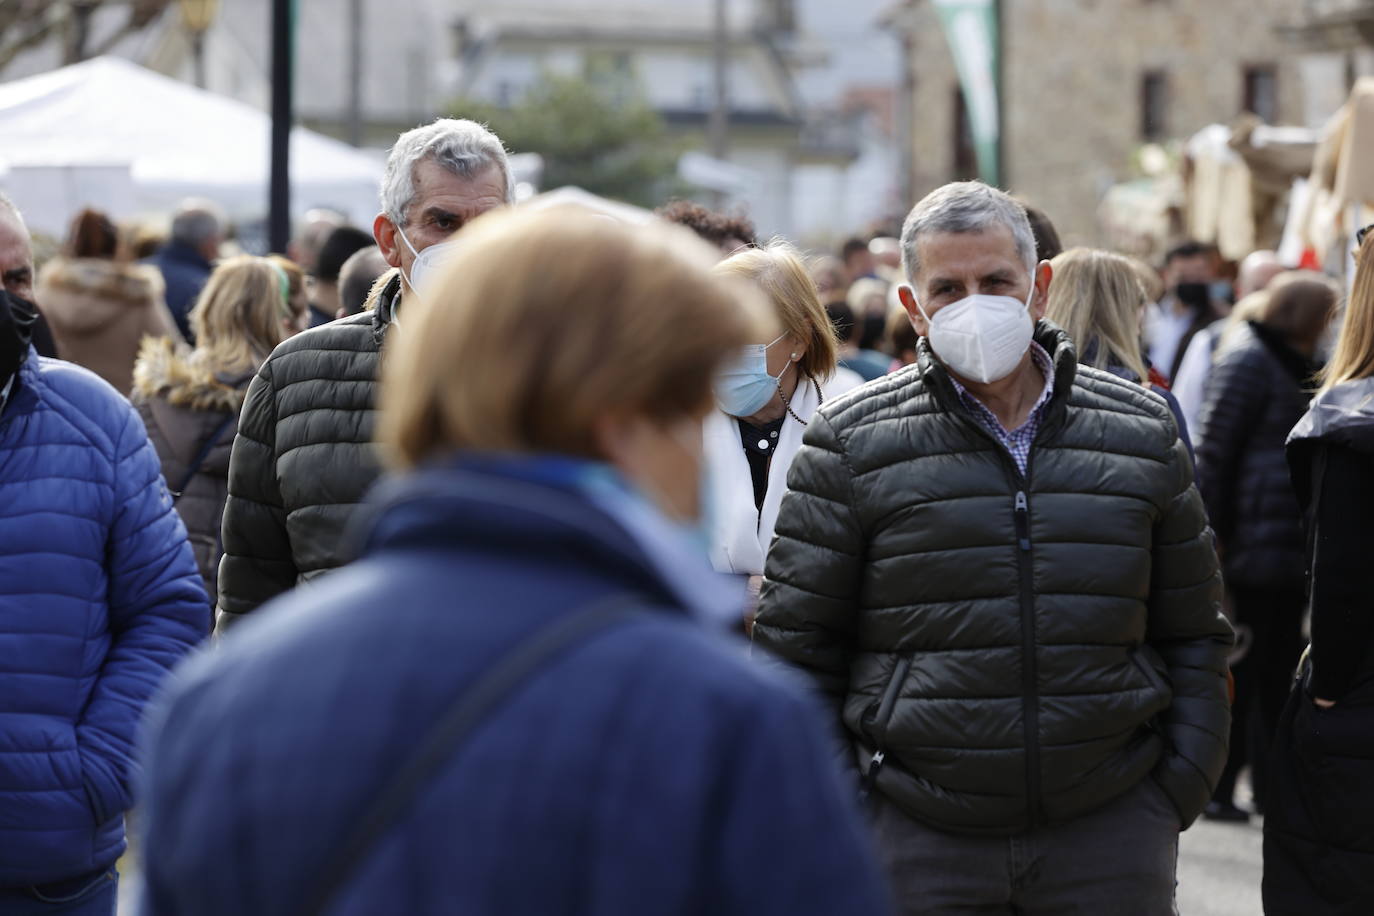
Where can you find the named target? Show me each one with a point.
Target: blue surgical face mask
(744, 387)
(694, 533)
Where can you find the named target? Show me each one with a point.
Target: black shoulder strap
(194, 467)
(465, 711)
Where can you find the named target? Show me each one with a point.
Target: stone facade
(1073, 74)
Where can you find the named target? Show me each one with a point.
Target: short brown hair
(548, 320)
(780, 274)
(1300, 306)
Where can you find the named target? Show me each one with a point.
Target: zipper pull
(870, 776)
(1022, 520)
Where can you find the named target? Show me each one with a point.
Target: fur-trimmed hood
(163, 371)
(82, 296)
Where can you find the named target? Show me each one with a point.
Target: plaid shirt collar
(1017, 441)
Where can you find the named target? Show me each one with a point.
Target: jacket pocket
(102, 792)
(879, 716)
(1149, 664)
(1144, 658)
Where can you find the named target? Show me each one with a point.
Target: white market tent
(112, 134)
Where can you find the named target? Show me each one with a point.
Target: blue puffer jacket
(185, 273)
(99, 597)
(648, 768)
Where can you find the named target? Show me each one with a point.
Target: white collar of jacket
(741, 534)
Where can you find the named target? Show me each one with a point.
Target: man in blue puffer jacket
(99, 597)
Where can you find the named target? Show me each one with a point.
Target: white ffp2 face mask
(982, 338)
(428, 263)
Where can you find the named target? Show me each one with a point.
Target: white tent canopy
(110, 133)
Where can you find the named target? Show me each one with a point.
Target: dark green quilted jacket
(303, 458)
(1005, 652)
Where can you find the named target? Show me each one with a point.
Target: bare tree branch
(27, 24)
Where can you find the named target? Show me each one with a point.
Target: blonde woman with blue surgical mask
(765, 399)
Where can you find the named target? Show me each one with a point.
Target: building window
(965, 154)
(1154, 105)
(1262, 92)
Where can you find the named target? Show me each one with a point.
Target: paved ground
(1219, 870)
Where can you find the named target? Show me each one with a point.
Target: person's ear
(908, 299)
(388, 242)
(1040, 300)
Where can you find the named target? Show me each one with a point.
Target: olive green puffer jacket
(1020, 651)
(303, 458)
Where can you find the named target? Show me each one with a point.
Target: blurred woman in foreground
(521, 671)
(1319, 814)
(190, 402)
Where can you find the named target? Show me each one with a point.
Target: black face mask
(1194, 295)
(16, 329)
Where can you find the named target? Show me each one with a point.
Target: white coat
(741, 534)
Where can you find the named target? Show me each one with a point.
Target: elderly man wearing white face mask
(303, 457)
(996, 565)
(765, 399)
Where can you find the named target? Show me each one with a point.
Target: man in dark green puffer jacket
(997, 566)
(303, 458)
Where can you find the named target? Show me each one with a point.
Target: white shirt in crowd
(742, 534)
(1165, 330)
(1190, 385)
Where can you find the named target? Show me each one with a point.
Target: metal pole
(906, 121)
(999, 17)
(355, 72)
(718, 126)
(279, 195)
(198, 56)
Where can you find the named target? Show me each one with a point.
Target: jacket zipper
(1030, 693)
(1030, 708)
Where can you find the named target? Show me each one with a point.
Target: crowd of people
(482, 504)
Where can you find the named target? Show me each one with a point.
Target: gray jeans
(1120, 859)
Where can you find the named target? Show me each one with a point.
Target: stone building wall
(1073, 74)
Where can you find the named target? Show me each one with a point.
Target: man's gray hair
(464, 147)
(8, 206)
(965, 206)
(196, 222)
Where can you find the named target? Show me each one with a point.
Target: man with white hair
(303, 456)
(997, 567)
(188, 258)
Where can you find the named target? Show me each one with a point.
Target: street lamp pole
(718, 124)
(279, 195)
(999, 77)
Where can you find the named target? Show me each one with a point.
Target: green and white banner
(971, 30)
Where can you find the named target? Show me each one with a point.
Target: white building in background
(855, 88)
(806, 77)
(664, 52)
